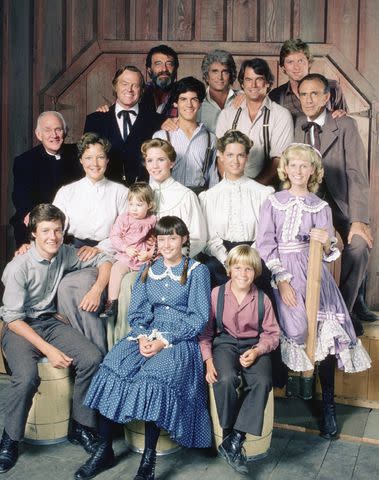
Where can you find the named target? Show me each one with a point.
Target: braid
(183, 278)
(152, 260)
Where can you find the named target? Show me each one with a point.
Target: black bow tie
(123, 113)
(126, 124)
(308, 125)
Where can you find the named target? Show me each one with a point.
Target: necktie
(316, 133)
(127, 124)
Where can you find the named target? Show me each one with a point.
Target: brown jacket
(345, 163)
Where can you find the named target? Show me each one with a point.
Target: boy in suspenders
(236, 342)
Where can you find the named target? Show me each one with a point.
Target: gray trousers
(22, 358)
(354, 258)
(246, 413)
(71, 291)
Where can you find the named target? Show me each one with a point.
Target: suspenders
(220, 309)
(266, 136)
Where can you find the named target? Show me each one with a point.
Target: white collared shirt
(281, 132)
(120, 120)
(210, 110)
(91, 208)
(320, 120)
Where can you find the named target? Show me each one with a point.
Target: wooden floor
(294, 455)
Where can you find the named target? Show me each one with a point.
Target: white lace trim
(154, 335)
(294, 356)
(294, 209)
(334, 251)
(279, 273)
(354, 358)
(168, 273)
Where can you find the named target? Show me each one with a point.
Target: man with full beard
(162, 65)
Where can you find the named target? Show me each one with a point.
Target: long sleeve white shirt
(172, 198)
(91, 208)
(231, 210)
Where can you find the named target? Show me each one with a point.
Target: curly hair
(308, 153)
(219, 56)
(234, 136)
(91, 138)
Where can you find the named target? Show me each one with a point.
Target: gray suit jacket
(345, 164)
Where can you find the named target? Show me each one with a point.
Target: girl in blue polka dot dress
(156, 374)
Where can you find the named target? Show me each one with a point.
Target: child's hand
(248, 358)
(320, 234)
(143, 256)
(131, 251)
(150, 348)
(211, 373)
(287, 294)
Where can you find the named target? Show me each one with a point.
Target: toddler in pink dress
(129, 236)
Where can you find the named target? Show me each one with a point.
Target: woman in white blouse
(91, 206)
(231, 208)
(171, 198)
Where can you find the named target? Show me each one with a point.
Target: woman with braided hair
(155, 374)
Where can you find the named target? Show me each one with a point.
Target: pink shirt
(241, 321)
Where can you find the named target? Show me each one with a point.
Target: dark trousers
(354, 258)
(22, 358)
(246, 413)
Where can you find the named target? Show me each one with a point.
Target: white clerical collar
(57, 156)
(320, 120)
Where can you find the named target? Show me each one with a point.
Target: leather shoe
(147, 466)
(84, 436)
(232, 451)
(8, 452)
(102, 459)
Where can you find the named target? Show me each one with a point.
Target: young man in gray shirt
(33, 329)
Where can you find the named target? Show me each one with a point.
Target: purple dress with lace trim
(283, 243)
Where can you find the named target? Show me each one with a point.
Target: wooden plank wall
(62, 54)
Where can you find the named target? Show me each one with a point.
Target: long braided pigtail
(183, 278)
(152, 260)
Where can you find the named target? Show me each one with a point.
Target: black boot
(84, 436)
(8, 452)
(306, 388)
(329, 427)
(360, 308)
(231, 449)
(293, 385)
(147, 466)
(110, 309)
(102, 459)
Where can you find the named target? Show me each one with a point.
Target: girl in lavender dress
(288, 220)
(129, 236)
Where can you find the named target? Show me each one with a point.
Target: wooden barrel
(135, 438)
(49, 415)
(255, 446)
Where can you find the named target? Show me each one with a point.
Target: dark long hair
(170, 225)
